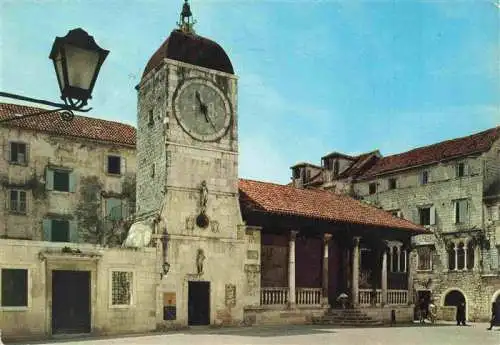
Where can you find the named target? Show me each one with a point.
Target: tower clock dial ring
(202, 109)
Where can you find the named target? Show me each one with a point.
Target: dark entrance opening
(454, 298)
(198, 303)
(426, 296)
(70, 302)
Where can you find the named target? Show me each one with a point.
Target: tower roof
(185, 45)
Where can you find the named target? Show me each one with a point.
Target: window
(114, 209)
(60, 230)
(114, 165)
(18, 153)
(372, 188)
(296, 173)
(17, 201)
(461, 211)
(425, 215)
(14, 287)
(151, 120)
(121, 288)
(460, 256)
(424, 177)
(392, 183)
(460, 170)
(61, 180)
(308, 174)
(424, 259)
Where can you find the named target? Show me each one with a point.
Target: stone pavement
(476, 334)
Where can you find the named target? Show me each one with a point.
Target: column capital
(356, 240)
(327, 237)
(293, 234)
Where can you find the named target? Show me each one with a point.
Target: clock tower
(187, 178)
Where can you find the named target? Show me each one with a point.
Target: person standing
(494, 316)
(461, 314)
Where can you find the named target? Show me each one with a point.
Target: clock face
(202, 109)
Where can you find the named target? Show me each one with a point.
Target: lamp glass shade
(82, 66)
(77, 61)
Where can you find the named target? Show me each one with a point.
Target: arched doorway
(453, 297)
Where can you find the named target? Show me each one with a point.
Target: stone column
(477, 253)
(399, 258)
(355, 271)
(405, 261)
(465, 256)
(384, 277)
(456, 256)
(291, 269)
(409, 274)
(325, 278)
(391, 258)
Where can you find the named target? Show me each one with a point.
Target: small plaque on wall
(230, 295)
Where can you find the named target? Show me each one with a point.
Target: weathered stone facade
(457, 199)
(43, 154)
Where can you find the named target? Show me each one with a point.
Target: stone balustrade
(308, 296)
(274, 295)
(398, 297)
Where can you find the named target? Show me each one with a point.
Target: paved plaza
(474, 334)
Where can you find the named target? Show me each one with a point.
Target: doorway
(198, 303)
(70, 302)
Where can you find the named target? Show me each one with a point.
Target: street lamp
(77, 60)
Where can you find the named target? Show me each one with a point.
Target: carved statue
(200, 257)
(203, 197)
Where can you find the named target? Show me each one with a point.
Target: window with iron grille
(18, 153)
(17, 201)
(121, 283)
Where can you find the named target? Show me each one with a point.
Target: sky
(315, 76)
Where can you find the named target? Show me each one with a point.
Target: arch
(496, 296)
(462, 293)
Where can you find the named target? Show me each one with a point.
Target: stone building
(452, 188)
(189, 201)
(56, 275)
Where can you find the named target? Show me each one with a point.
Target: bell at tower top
(186, 21)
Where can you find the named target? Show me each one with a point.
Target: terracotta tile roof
(455, 148)
(362, 162)
(319, 204)
(80, 127)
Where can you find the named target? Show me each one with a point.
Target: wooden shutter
(73, 231)
(432, 215)
(7, 150)
(72, 182)
(123, 166)
(47, 229)
(105, 163)
(415, 216)
(49, 179)
(463, 211)
(27, 153)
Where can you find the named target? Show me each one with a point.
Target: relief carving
(190, 223)
(214, 225)
(230, 298)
